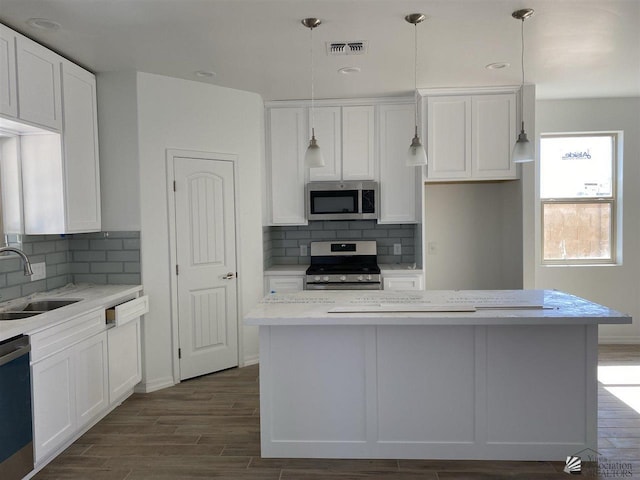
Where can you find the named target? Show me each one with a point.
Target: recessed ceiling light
(43, 24)
(497, 66)
(205, 74)
(349, 70)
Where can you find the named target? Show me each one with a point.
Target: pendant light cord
(415, 70)
(313, 112)
(522, 67)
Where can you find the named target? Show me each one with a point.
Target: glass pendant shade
(417, 155)
(313, 157)
(522, 150)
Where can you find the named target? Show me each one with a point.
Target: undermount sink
(47, 305)
(16, 315)
(34, 308)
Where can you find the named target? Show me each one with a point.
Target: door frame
(172, 154)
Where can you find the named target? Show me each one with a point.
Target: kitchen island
(502, 375)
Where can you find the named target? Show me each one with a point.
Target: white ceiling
(574, 48)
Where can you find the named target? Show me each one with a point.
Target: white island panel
(323, 391)
(537, 385)
(438, 403)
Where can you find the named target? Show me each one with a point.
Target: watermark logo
(573, 465)
(590, 463)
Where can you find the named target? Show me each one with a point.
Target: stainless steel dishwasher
(16, 427)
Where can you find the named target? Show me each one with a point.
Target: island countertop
(433, 307)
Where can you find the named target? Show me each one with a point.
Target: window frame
(613, 200)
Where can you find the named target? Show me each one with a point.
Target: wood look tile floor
(209, 427)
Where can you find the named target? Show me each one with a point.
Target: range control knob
(368, 277)
(342, 278)
(325, 278)
(360, 278)
(316, 278)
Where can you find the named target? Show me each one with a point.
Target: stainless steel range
(343, 265)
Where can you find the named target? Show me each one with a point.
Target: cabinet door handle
(229, 276)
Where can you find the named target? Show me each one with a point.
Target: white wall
(475, 229)
(616, 286)
(179, 114)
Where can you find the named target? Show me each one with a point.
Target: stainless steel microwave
(342, 200)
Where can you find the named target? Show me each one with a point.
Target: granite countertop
(90, 296)
(434, 307)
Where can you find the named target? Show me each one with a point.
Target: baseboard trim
(154, 385)
(626, 340)
(251, 360)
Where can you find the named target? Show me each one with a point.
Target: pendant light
(523, 149)
(416, 156)
(313, 157)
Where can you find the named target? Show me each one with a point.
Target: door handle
(229, 276)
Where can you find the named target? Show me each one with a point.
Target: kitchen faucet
(25, 259)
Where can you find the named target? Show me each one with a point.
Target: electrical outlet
(39, 271)
(303, 250)
(397, 249)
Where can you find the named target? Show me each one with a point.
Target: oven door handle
(12, 355)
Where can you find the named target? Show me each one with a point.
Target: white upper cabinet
(449, 137)
(470, 136)
(399, 183)
(346, 136)
(39, 99)
(286, 144)
(358, 143)
(58, 164)
(327, 123)
(8, 93)
(80, 143)
(494, 134)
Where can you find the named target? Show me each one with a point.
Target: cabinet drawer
(125, 312)
(63, 336)
(402, 282)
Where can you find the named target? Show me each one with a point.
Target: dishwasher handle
(14, 348)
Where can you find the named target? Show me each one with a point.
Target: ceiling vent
(347, 48)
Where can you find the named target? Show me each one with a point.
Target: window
(578, 198)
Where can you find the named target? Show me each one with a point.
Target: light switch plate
(303, 250)
(39, 271)
(397, 249)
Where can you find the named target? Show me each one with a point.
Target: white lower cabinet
(80, 370)
(125, 369)
(54, 403)
(402, 281)
(69, 390)
(283, 284)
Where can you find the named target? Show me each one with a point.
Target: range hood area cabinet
(58, 165)
(470, 133)
(348, 142)
(357, 142)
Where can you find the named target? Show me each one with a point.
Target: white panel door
(39, 84)
(91, 381)
(8, 96)
(286, 144)
(54, 403)
(326, 121)
(494, 134)
(449, 137)
(398, 182)
(358, 144)
(206, 256)
(80, 143)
